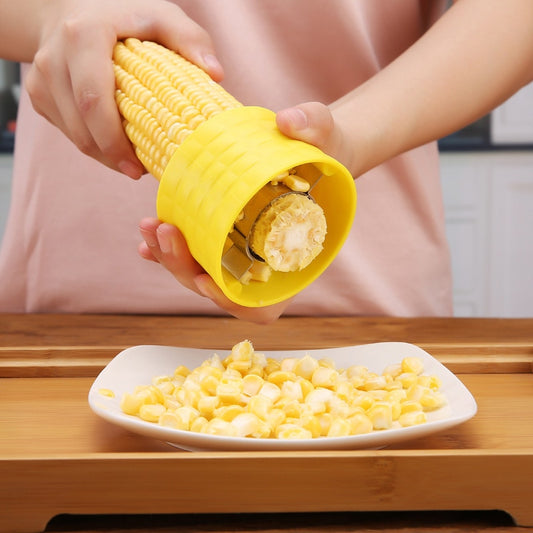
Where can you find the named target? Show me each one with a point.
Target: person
(374, 84)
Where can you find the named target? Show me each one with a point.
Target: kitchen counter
(58, 459)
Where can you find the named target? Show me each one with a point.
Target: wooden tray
(57, 457)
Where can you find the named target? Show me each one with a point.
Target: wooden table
(59, 459)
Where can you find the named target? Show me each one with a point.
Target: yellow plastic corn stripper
(215, 173)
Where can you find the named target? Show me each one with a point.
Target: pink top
(72, 234)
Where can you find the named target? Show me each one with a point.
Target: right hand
(71, 81)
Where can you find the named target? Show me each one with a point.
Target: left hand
(165, 244)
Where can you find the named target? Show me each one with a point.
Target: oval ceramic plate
(139, 364)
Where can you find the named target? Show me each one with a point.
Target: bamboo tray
(57, 457)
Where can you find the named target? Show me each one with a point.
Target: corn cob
(163, 98)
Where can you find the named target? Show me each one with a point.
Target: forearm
(474, 58)
(20, 27)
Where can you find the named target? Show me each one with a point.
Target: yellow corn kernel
(207, 405)
(260, 271)
(198, 424)
(156, 380)
(260, 406)
(281, 376)
(296, 183)
(380, 414)
(106, 392)
(396, 395)
(412, 418)
(312, 424)
(241, 366)
(228, 412)
(250, 425)
(209, 385)
(415, 392)
(339, 427)
(326, 362)
(435, 383)
(181, 371)
(396, 409)
(212, 364)
(229, 393)
(292, 409)
(270, 391)
(306, 386)
(360, 424)
(186, 415)
(407, 379)
(432, 399)
(344, 390)
(318, 400)
(151, 411)
(374, 382)
(393, 370)
(288, 364)
(274, 418)
(292, 390)
(292, 431)
(170, 419)
(409, 406)
(251, 384)
(187, 397)
(216, 426)
(305, 367)
(242, 351)
(365, 401)
(338, 407)
(166, 387)
(324, 420)
(131, 403)
(412, 364)
(171, 403)
(325, 376)
(272, 365)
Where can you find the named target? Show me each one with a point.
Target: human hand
(314, 123)
(71, 81)
(164, 244)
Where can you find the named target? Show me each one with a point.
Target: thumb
(311, 122)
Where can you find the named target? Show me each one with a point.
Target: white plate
(139, 364)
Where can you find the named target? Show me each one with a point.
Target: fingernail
(149, 238)
(203, 286)
(165, 244)
(211, 62)
(297, 117)
(130, 169)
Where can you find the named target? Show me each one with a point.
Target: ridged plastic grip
(220, 167)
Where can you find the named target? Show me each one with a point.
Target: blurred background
(487, 179)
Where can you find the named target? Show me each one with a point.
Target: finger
(169, 25)
(48, 84)
(165, 244)
(145, 252)
(41, 98)
(176, 257)
(149, 249)
(89, 53)
(311, 122)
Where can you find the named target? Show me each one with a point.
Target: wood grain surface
(60, 462)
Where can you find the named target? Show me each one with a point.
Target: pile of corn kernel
(250, 395)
